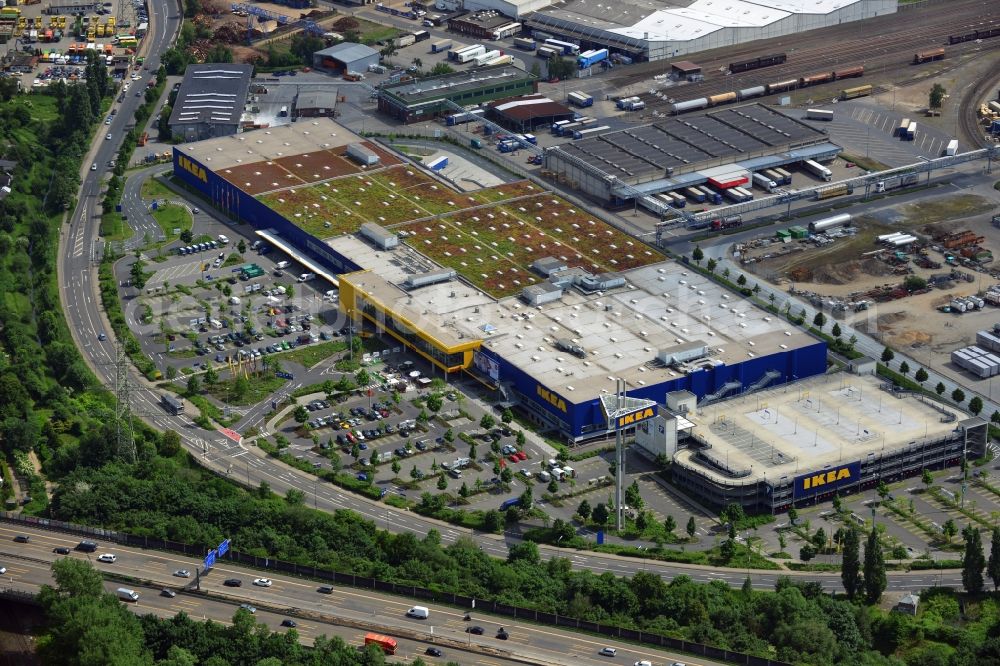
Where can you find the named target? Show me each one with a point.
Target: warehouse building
(623, 311)
(804, 442)
(680, 152)
(485, 24)
(413, 101)
(345, 57)
(210, 101)
(516, 9)
(666, 29)
(316, 103)
(524, 114)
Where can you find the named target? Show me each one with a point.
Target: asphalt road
(79, 292)
(347, 612)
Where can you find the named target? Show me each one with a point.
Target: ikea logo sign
(192, 168)
(551, 398)
(828, 480)
(636, 417)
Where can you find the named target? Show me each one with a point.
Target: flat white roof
(734, 13)
(807, 6)
(669, 26)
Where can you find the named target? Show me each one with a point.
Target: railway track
(891, 52)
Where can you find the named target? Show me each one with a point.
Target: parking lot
(60, 39)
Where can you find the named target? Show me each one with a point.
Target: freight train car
(854, 93)
(722, 98)
(757, 63)
(781, 86)
(928, 55)
(816, 79)
(974, 35)
(849, 73)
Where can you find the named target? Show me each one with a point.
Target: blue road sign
(600, 537)
(210, 559)
(223, 548)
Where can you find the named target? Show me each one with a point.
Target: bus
(387, 644)
(173, 405)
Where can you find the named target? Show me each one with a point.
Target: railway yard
(886, 47)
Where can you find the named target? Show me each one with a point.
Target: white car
(107, 557)
(608, 652)
(107, 138)
(182, 573)
(262, 582)
(3, 570)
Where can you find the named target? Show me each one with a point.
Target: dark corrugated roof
(212, 93)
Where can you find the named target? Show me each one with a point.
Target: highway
(246, 464)
(346, 612)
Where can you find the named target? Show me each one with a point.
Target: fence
(400, 589)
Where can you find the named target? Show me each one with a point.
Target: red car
(350, 436)
(521, 455)
(513, 458)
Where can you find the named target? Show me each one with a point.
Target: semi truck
(728, 222)
(580, 99)
(818, 170)
(484, 58)
(764, 183)
(564, 48)
(903, 180)
(525, 43)
(819, 114)
(694, 194)
(591, 58)
(466, 53)
(952, 147)
(911, 131)
(441, 45)
(589, 131)
(547, 52)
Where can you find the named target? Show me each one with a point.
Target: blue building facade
(580, 420)
(241, 206)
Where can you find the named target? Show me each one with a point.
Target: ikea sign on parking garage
(828, 480)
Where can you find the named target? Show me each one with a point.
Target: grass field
(310, 355)
(171, 217)
(152, 188)
(114, 228)
(373, 32)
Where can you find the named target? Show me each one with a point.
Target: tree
(949, 529)
(806, 553)
(526, 551)
(600, 514)
(819, 539)
(995, 416)
(442, 68)
(819, 320)
(920, 376)
(993, 567)
(507, 416)
(526, 501)
(853, 340)
(669, 525)
(835, 331)
(976, 405)
(927, 478)
(362, 378)
(940, 388)
(520, 438)
(904, 368)
(633, 497)
(583, 510)
(874, 572)
(553, 487)
(193, 385)
(741, 280)
(170, 444)
(434, 402)
(487, 422)
(697, 255)
(793, 514)
(301, 414)
(442, 483)
(882, 489)
(449, 436)
(463, 492)
(355, 451)
(936, 96)
(958, 395)
(711, 265)
(888, 355)
(850, 568)
(396, 467)
(211, 376)
(561, 68)
(692, 528)
(974, 561)
(241, 247)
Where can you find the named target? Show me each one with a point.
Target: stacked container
(977, 360)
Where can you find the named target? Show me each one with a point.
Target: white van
(126, 594)
(234, 300)
(282, 265)
(544, 476)
(418, 612)
(223, 239)
(305, 277)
